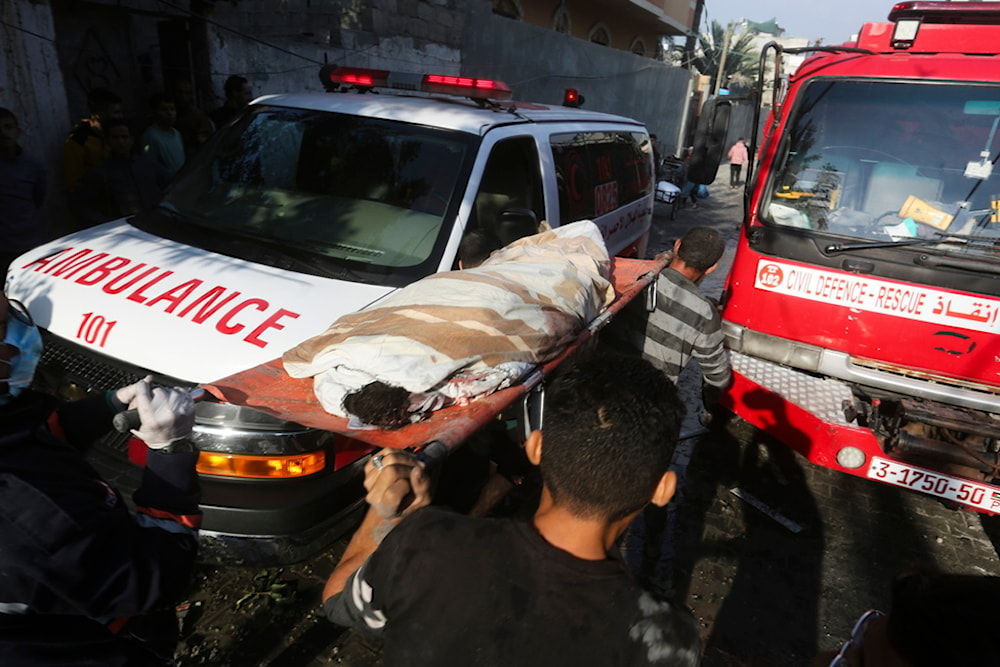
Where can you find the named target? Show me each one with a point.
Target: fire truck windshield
(342, 194)
(890, 161)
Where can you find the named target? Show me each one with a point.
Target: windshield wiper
(964, 263)
(940, 237)
(834, 248)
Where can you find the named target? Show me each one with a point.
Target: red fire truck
(863, 308)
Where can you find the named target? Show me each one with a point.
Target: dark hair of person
(156, 99)
(610, 426)
(701, 247)
(476, 247)
(234, 84)
(380, 404)
(939, 618)
(7, 113)
(100, 100)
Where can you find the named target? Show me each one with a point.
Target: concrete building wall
(32, 86)
(383, 34)
(539, 65)
(625, 19)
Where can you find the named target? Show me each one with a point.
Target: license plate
(967, 492)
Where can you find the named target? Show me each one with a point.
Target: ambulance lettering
(626, 219)
(605, 198)
(139, 283)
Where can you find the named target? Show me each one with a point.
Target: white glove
(166, 414)
(126, 395)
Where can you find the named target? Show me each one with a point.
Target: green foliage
(741, 58)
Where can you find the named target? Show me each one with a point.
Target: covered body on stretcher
(577, 300)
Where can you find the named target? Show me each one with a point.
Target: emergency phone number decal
(880, 296)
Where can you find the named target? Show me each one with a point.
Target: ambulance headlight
(227, 428)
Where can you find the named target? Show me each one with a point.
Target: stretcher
(269, 389)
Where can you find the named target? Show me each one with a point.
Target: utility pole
(692, 39)
(722, 59)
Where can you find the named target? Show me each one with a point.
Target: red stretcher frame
(269, 389)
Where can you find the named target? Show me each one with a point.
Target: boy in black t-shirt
(445, 589)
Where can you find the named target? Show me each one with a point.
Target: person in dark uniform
(83, 581)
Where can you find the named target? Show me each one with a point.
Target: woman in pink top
(738, 157)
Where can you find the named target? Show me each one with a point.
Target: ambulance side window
(511, 180)
(598, 172)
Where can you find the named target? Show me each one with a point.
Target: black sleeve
(170, 487)
(81, 422)
(367, 596)
(353, 607)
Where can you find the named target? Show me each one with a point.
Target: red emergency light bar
(947, 12)
(332, 75)
(356, 76)
(461, 85)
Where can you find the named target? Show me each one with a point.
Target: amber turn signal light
(261, 467)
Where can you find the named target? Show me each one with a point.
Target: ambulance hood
(171, 308)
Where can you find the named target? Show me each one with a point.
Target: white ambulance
(306, 207)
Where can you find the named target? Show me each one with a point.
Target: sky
(833, 20)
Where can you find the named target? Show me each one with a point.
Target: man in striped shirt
(685, 323)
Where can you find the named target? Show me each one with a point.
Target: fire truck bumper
(806, 412)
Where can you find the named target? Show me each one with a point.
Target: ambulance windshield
(347, 195)
(884, 161)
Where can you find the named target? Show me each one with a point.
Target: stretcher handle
(128, 421)
(433, 453)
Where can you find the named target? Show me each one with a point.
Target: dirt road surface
(776, 557)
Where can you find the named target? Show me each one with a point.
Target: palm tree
(741, 58)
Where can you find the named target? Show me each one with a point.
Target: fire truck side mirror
(709, 141)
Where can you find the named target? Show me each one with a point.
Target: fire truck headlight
(772, 348)
(851, 458)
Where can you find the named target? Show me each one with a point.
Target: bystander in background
(124, 184)
(194, 124)
(738, 158)
(86, 146)
(23, 186)
(161, 140)
(238, 95)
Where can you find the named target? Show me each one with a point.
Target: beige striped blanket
(525, 304)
